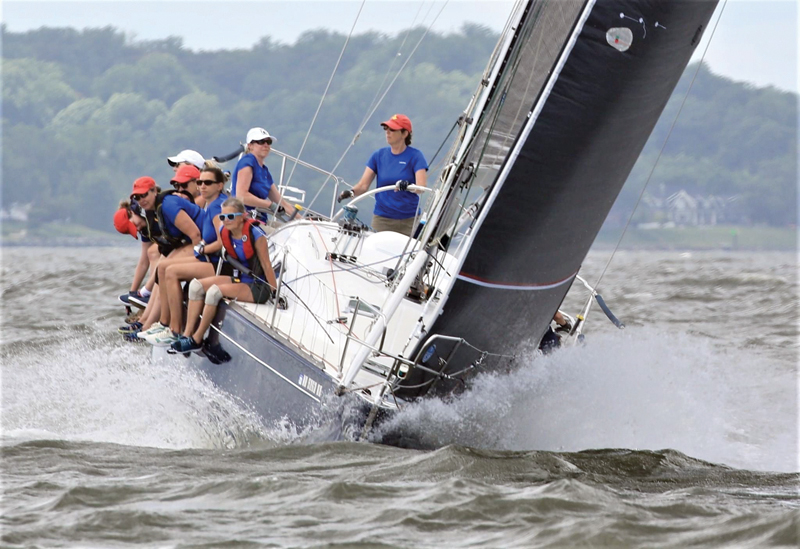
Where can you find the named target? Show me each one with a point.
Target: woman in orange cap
(398, 165)
(128, 219)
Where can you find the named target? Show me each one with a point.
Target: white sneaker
(151, 337)
(165, 339)
(155, 328)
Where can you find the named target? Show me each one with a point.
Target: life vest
(151, 229)
(165, 238)
(253, 264)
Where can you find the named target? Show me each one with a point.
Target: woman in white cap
(252, 182)
(186, 157)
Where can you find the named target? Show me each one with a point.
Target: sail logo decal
(619, 38)
(310, 385)
(472, 279)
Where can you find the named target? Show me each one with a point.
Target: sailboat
(378, 319)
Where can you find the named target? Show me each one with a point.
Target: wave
(638, 389)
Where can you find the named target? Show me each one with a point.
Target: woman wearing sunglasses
(178, 219)
(252, 182)
(247, 243)
(201, 264)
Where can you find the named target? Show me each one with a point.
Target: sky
(756, 40)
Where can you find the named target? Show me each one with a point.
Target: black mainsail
(580, 89)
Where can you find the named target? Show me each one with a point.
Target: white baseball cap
(188, 155)
(257, 134)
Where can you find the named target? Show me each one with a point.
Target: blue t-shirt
(391, 168)
(172, 206)
(208, 230)
(238, 246)
(262, 179)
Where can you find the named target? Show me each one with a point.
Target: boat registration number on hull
(310, 385)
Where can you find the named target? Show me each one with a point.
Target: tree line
(86, 112)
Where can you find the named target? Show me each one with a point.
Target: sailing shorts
(402, 226)
(261, 292)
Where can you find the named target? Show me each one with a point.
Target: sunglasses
(180, 186)
(387, 128)
(138, 197)
(267, 141)
(201, 182)
(229, 217)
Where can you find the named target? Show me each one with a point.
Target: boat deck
(325, 275)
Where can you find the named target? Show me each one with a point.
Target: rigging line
(443, 142)
(303, 303)
(330, 262)
(396, 76)
(354, 267)
(385, 76)
(493, 107)
(325, 93)
(663, 145)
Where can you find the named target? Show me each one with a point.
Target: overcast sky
(756, 41)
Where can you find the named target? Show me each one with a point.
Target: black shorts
(261, 292)
(166, 249)
(226, 270)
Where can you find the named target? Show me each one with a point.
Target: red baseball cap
(398, 122)
(143, 184)
(185, 173)
(123, 224)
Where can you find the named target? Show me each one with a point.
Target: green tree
(34, 91)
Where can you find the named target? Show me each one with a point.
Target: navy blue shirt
(211, 212)
(262, 179)
(208, 230)
(172, 205)
(391, 168)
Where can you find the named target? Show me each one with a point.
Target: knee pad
(213, 296)
(196, 291)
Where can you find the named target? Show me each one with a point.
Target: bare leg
(176, 272)
(177, 256)
(196, 307)
(230, 290)
(153, 309)
(155, 257)
(147, 315)
(192, 315)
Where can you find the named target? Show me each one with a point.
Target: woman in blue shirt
(202, 264)
(399, 162)
(252, 182)
(248, 244)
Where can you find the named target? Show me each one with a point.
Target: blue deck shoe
(130, 328)
(135, 298)
(131, 338)
(185, 345)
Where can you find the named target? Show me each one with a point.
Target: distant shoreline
(716, 238)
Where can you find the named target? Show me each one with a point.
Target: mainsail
(580, 88)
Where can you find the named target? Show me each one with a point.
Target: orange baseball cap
(123, 224)
(185, 173)
(143, 184)
(398, 122)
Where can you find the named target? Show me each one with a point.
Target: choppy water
(680, 431)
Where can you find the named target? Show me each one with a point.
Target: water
(681, 430)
